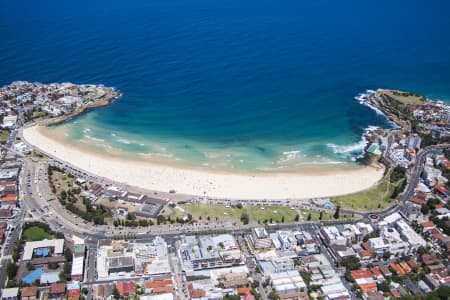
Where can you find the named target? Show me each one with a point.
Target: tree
(160, 219)
(273, 295)
(336, 213)
(11, 270)
(309, 217)
(386, 255)
(116, 293)
(384, 286)
(68, 254)
(321, 215)
(231, 297)
(297, 217)
(351, 263)
(52, 265)
(255, 284)
(244, 218)
(30, 266)
(282, 219)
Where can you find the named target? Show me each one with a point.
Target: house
(195, 293)
(385, 271)
(29, 293)
(126, 289)
(439, 188)
(397, 269)
(159, 286)
(430, 258)
(365, 280)
(428, 225)
(58, 290)
(10, 294)
(413, 264)
(9, 200)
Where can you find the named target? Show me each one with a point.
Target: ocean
(233, 85)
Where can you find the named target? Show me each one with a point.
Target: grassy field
(276, 213)
(405, 98)
(378, 197)
(4, 134)
(314, 215)
(36, 234)
(255, 213)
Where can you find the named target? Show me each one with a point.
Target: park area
(376, 198)
(256, 214)
(35, 233)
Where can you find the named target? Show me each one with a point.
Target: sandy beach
(198, 182)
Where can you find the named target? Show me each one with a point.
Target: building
(260, 238)
(9, 122)
(288, 285)
(365, 280)
(413, 141)
(278, 265)
(205, 252)
(126, 289)
(58, 290)
(10, 294)
(79, 249)
(9, 174)
(120, 258)
(43, 248)
(29, 293)
(49, 278)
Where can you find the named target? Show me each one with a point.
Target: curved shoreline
(210, 183)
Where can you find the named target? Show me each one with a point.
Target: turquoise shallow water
(253, 85)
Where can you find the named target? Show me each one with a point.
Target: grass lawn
(36, 234)
(256, 213)
(404, 97)
(4, 135)
(63, 180)
(378, 197)
(314, 215)
(213, 210)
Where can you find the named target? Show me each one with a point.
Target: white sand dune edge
(214, 184)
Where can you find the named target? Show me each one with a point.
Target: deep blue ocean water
(230, 84)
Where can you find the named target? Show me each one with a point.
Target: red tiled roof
(243, 290)
(73, 294)
(125, 288)
(58, 288)
(428, 224)
(163, 289)
(397, 269)
(418, 201)
(30, 291)
(160, 283)
(9, 198)
(376, 272)
(441, 188)
(368, 286)
(429, 259)
(195, 293)
(358, 274)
